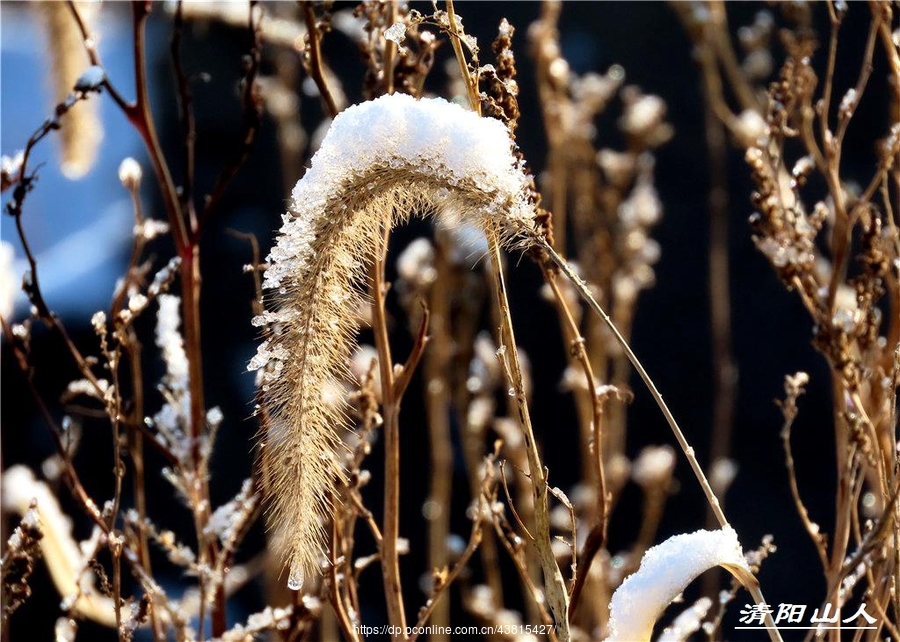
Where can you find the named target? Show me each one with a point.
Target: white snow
(380, 162)
(168, 337)
(688, 622)
(175, 412)
(432, 135)
(665, 571)
(9, 280)
(130, 174)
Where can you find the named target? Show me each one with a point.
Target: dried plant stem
(136, 452)
(828, 87)
(315, 58)
(522, 503)
(471, 83)
(503, 531)
(390, 50)
(390, 566)
(118, 474)
(334, 588)
(585, 293)
(141, 118)
(185, 106)
(430, 608)
(844, 220)
(721, 43)
(597, 536)
(437, 402)
(472, 453)
(140, 115)
(588, 402)
(554, 584)
(724, 369)
(813, 531)
(488, 549)
(846, 460)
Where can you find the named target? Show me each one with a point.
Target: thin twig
(511, 503)
(597, 535)
(471, 84)
(554, 584)
(334, 591)
(449, 577)
(314, 66)
(391, 529)
(409, 368)
(585, 293)
(185, 105)
(390, 50)
(437, 404)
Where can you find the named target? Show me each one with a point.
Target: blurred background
(80, 230)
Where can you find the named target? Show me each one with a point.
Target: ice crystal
(396, 32)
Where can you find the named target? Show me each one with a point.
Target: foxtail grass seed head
(379, 162)
(81, 131)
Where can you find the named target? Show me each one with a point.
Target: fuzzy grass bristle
(380, 162)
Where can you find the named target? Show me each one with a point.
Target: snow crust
(431, 135)
(666, 569)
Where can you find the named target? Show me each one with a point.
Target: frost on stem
(396, 32)
(175, 412)
(665, 571)
(380, 162)
(9, 280)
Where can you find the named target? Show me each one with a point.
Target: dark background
(771, 331)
